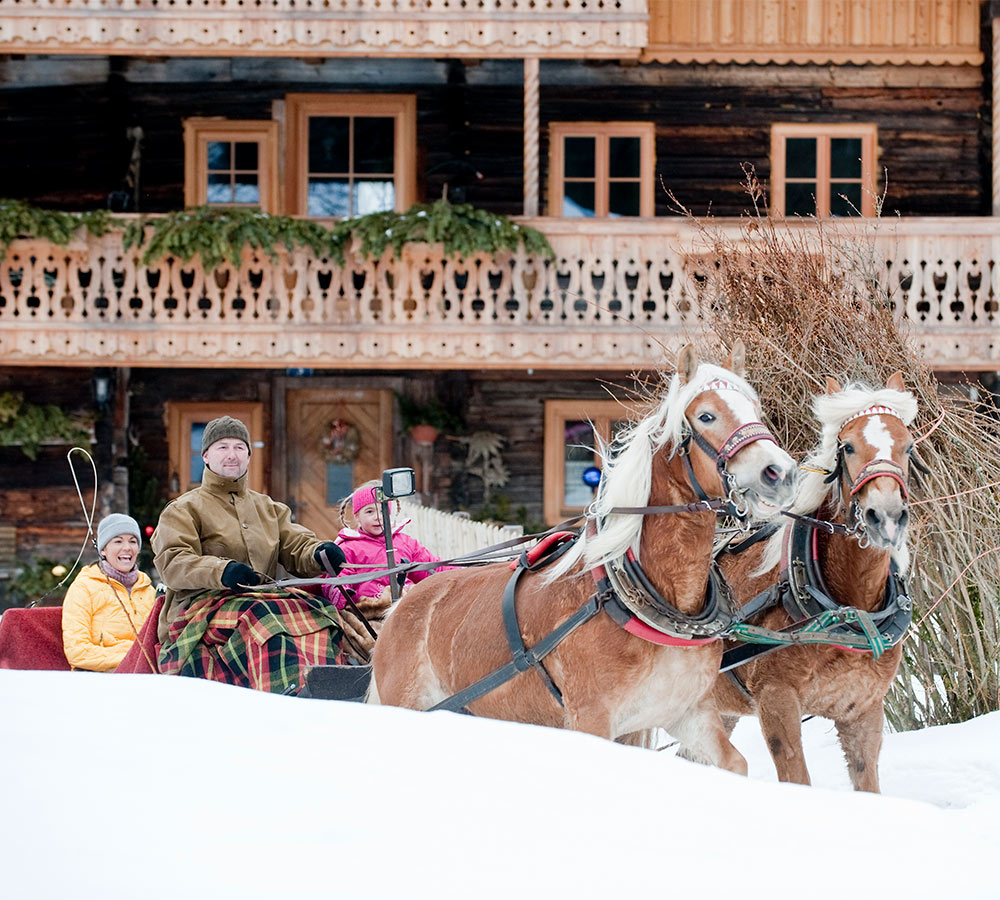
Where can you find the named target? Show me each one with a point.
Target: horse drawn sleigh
(641, 619)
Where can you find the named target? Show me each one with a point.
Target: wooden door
(315, 484)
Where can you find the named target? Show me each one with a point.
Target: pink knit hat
(362, 497)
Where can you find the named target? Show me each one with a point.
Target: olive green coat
(222, 520)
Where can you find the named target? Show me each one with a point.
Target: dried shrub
(810, 302)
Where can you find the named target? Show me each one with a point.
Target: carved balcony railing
(481, 28)
(617, 294)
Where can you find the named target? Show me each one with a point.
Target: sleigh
(31, 639)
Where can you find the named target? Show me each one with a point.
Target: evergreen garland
(462, 229)
(19, 219)
(217, 234)
(28, 425)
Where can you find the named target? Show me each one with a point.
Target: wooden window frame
(198, 132)
(557, 413)
(867, 132)
(602, 131)
(180, 416)
(300, 107)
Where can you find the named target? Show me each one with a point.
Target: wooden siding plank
(818, 31)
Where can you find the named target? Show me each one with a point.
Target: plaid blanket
(259, 640)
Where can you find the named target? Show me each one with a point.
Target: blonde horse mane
(833, 411)
(627, 464)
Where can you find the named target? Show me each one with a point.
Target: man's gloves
(334, 555)
(237, 574)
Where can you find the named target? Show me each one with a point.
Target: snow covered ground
(135, 786)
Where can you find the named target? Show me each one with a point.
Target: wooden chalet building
(575, 116)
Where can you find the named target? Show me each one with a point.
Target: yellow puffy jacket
(96, 631)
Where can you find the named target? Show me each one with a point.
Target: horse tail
(371, 695)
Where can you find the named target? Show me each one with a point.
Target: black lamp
(396, 483)
(102, 386)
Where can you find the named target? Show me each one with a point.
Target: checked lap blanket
(259, 640)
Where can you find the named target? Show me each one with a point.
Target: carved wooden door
(316, 484)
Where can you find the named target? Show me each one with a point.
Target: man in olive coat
(224, 535)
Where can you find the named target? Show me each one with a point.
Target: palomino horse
(865, 447)
(448, 631)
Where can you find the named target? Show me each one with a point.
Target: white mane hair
(833, 411)
(627, 465)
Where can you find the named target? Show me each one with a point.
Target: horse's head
(871, 469)
(731, 453)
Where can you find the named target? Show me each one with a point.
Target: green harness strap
(821, 629)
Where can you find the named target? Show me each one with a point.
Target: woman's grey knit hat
(224, 427)
(114, 525)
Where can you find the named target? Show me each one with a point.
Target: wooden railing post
(995, 63)
(531, 90)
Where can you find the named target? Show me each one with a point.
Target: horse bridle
(874, 468)
(745, 434)
(630, 593)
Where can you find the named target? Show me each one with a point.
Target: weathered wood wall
(38, 497)
(64, 144)
(512, 405)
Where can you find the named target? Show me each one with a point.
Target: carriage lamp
(396, 483)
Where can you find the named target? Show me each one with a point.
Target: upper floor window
(601, 169)
(350, 154)
(823, 170)
(231, 163)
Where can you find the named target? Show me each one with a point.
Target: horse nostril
(872, 518)
(904, 518)
(772, 475)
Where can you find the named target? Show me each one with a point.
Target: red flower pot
(423, 434)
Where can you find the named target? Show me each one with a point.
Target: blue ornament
(591, 476)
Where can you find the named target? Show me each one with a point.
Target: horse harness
(803, 594)
(817, 617)
(623, 590)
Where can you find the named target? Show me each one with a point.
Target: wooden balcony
(479, 28)
(616, 294)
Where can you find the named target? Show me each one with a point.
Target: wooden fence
(453, 534)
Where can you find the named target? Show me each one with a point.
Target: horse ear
(737, 358)
(832, 385)
(687, 364)
(896, 382)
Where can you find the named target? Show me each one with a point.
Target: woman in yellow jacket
(107, 602)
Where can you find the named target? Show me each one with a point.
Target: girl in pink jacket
(366, 546)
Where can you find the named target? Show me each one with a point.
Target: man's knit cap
(224, 427)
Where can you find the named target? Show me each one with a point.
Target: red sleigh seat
(135, 662)
(32, 639)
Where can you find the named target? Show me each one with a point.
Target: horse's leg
(705, 738)
(589, 719)
(780, 714)
(402, 674)
(861, 739)
(728, 724)
(645, 738)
